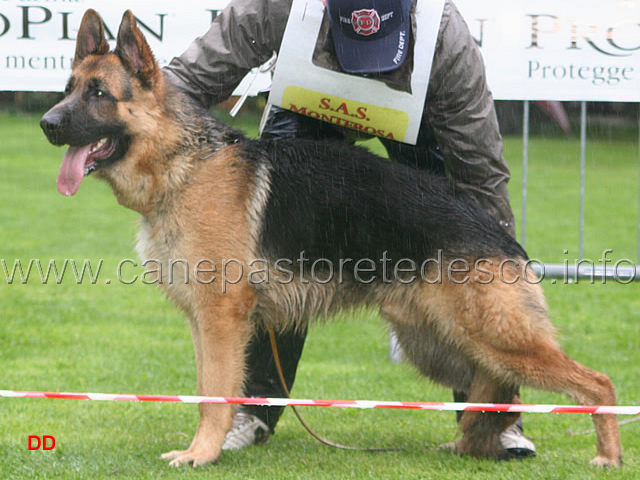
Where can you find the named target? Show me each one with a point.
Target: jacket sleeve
(462, 114)
(244, 35)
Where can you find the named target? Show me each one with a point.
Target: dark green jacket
(459, 105)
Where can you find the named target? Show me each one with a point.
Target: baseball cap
(370, 36)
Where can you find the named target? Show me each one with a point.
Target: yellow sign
(357, 102)
(370, 119)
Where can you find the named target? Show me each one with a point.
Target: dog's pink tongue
(72, 170)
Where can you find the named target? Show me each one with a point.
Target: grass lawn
(118, 338)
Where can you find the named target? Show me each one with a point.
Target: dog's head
(111, 100)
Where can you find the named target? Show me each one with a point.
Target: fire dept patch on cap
(365, 22)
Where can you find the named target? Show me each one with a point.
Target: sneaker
(246, 430)
(514, 441)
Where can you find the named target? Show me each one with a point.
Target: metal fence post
(583, 168)
(638, 185)
(525, 172)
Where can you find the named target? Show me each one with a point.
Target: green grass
(111, 337)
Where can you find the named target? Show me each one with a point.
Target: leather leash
(321, 439)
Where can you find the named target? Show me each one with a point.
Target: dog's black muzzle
(53, 125)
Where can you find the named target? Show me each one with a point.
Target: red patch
(365, 22)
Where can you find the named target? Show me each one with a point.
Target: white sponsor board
(542, 50)
(558, 49)
(37, 37)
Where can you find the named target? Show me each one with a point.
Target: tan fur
(156, 172)
(482, 337)
(219, 322)
(503, 328)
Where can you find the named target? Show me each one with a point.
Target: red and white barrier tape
(363, 404)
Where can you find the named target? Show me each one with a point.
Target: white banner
(542, 50)
(37, 37)
(558, 49)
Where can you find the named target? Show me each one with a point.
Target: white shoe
(514, 441)
(246, 430)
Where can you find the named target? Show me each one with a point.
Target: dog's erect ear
(91, 39)
(134, 51)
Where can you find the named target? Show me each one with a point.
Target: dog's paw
(604, 462)
(449, 447)
(192, 456)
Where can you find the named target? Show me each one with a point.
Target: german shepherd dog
(452, 284)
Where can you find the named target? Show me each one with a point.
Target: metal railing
(563, 271)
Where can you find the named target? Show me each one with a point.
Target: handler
(459, 137)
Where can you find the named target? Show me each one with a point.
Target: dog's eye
(100, 93)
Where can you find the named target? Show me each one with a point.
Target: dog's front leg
(220, 333)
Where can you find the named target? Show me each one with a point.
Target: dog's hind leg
(442, 360)
(515, 344)
(548, 368)
(481, 430)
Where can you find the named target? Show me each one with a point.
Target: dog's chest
(158, 247)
